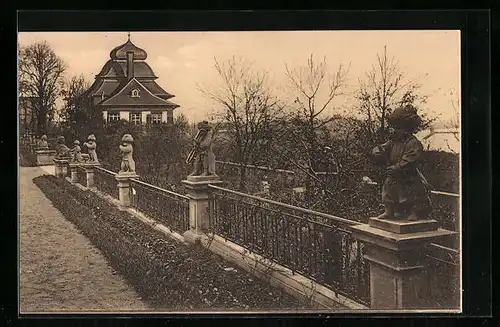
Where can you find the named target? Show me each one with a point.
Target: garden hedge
(168, 275)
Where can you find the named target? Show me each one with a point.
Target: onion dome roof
(120, 52)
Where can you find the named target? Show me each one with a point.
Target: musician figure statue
(91, 146)
(126, 148)
(62, 151)
(405, 192)
(202, 154)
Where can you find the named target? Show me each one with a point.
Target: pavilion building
(126, 89)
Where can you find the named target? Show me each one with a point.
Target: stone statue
(42, 143)
(62, 151)
(405, 192)
(202, 153)
(128, 163)
(91, 145)
(76, 152)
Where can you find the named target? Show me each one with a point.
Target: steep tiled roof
(141, 69)
(118, 69)
(107, 88)
(157, 89)
(112, 87)
(112, 69)
(146, 98)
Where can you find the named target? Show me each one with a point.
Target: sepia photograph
(239, 171)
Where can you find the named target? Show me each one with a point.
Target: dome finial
(128, 35)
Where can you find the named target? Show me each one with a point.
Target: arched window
(135, 93)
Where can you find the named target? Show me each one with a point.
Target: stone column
(64, 168)
(395, 251)
(89, 170)
(199, 197)
(124, 188)
(57, 167)
(73, 167)
(61, 167)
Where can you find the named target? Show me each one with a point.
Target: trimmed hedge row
(168, 275)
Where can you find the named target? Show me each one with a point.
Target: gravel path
(60, 270)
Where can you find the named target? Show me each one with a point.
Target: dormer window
(135, 93)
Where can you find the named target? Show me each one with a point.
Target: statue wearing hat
(202, 154)
(62, 151)
(126, 148)
(91, 145)
(405, 192)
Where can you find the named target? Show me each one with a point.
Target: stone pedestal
(124, 188)
(395, 251)
(45, 157)
(89, 172)
(89, 169)
(73, 167)
(61, 167)
(199, 197)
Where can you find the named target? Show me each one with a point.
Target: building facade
(126, 88)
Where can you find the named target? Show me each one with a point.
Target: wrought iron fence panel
(313, 244)
(167, 207)
(106, 182)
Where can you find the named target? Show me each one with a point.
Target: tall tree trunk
(41, 124)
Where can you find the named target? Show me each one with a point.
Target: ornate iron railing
(316, 245)
(82, 176)
(319, 246)
(106, 182)
(167, 207)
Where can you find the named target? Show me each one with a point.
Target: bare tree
(40, 73)
(383, 89)
(247, 110)
(315, 88)
(453, 123)
(71, 92)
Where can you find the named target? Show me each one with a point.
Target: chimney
(130, 65)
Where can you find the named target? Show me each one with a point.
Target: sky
(185, 60)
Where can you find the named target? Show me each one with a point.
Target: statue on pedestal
(91, 145)
(202, 154)
(405, 192)
(76, 152)
(128, 163)
(42, 143)
(62, 151)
